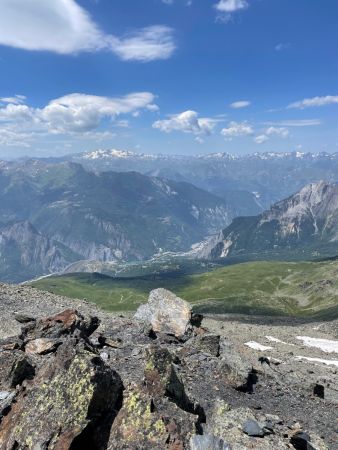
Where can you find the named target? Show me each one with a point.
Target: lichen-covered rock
(145, 422)
(58, 395)
(166, 313)
(62, 388)
(64, 397)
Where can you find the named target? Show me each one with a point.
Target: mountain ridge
(306, 222)
(107, 216)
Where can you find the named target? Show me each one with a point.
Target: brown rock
(65, 323)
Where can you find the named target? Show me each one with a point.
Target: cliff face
(24, 252)
(303, 224)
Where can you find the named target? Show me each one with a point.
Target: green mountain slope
(308, 289)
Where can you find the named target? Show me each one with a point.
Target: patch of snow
(256, 346)
(273, 339)
(328, 362)
(323, 344)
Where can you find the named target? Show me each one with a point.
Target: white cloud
(145, 45)
(231, 6)
(62, 26)
(152, 107)
(13, 112)
(315, 101)
(240, 104)
(277, 131)
(281, 132)
(261, 139)
(237, 129)
(17, 99)
(296, 123)
(78, 112)
(14, 138)
(74, 114)
(187, 122)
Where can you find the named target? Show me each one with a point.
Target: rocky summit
(164, 379)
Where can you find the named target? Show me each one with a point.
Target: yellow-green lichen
(63, 403)
(139, 423)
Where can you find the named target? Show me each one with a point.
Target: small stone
(104, 356)
(113, 343)
(252, 428)
(23, 318)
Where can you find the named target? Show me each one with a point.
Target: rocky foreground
(164, 379)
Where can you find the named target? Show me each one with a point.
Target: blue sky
(161, 76)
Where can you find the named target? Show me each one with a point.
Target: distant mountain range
(57, 212)
(257, 180)
(302, 226)
(53, 214)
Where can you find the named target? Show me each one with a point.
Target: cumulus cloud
(231, 6)
(73, 114)
(62, 26)
(314, 101)
(277, 131)
(237, 129)
(226, 8)
(187, 122)
(79, 112)
(240, 104)
(270, 132)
